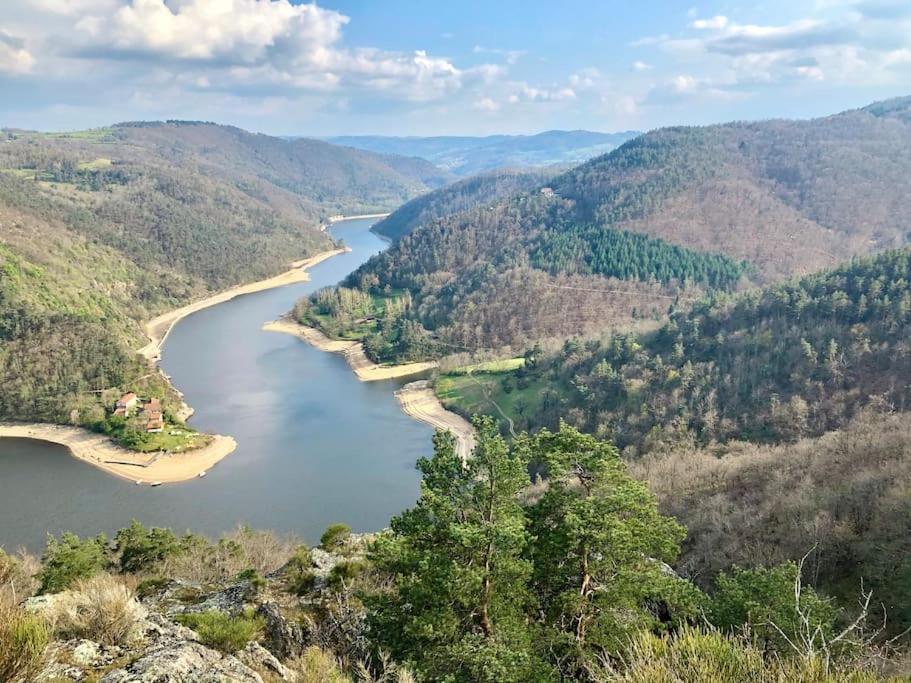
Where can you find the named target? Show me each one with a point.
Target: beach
(145, 468)
(420, 402)
(364, 368)
(159, 327)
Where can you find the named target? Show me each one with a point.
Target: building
(125, 403)
(547, 192)
(154, 418)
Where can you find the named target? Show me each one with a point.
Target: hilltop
(466, 155)
(719, 207)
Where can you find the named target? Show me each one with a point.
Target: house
(547, 192)
(154, 418)
(125, 402)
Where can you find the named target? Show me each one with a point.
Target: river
(315, 445)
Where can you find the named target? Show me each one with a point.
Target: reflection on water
(315, 445)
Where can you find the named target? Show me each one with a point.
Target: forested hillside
(478, 190)
(466, 156)
(792, 360)
(102, 229)
(704, 207)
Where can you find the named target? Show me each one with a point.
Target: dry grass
(23, 637)
(17, 575)
(317, 666)
(695, 656)
(100, 608)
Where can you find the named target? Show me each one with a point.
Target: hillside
(481, 189)
(758, 202)
(102, 229)
(774, 365)
(465, 156)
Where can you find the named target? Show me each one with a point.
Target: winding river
(315, 445)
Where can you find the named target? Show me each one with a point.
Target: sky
(462, 67)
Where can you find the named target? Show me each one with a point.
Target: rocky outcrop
(182, 663)
(284, 638)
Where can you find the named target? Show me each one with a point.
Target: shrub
(764, 599)
(201, 561)
(344, 573)
(334, 536)
(151, 586)
(69, 559)
(299, 574)
(100, 608)
(223, 632)
(17, 576)
(23, 637)
(141, 549)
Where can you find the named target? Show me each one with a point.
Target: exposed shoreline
(338, 219)
(143, 468)
(419, 401)
(364, 368)
(158, 328)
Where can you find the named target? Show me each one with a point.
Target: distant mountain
(483, 188)
(757, 201)
(466, 156)
(102, 229)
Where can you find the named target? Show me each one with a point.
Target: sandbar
(420, 402)
(143, 468)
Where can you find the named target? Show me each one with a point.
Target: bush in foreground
(223, 632)
(100, 608)
(694, 656)
(23, 637)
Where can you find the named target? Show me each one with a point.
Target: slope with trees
(784, 197)
(102, 229)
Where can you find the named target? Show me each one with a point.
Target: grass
(223, 632)
(491, 367)
(481, 393)
(100, 608)
(96, 165)
(23, 638)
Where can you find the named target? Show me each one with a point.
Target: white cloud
(14, 58)
(642, 66)
(716, 22)
(487, 104)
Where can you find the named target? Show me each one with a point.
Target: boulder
(183, 662)
(283, 638)
(259, 658)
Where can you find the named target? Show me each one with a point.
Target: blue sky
(404, 67)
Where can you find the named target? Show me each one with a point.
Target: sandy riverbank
(338, 219)
(146, 468)
(158, 328)
(365, 369)
(418, 400)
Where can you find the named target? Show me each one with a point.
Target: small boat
(139, 482)
(201, 474)
(155, 483)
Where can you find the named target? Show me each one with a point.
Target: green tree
(599, 550)
(68, 559)
(458, 606)
(765, 600)
(142, 548)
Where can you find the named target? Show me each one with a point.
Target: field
(491, 388)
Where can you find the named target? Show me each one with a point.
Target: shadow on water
(315, 445)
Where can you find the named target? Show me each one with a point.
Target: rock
(260, 659)
(76, 660)
(185, 662)
(282, 637)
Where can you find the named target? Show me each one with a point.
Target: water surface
(315, 445)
